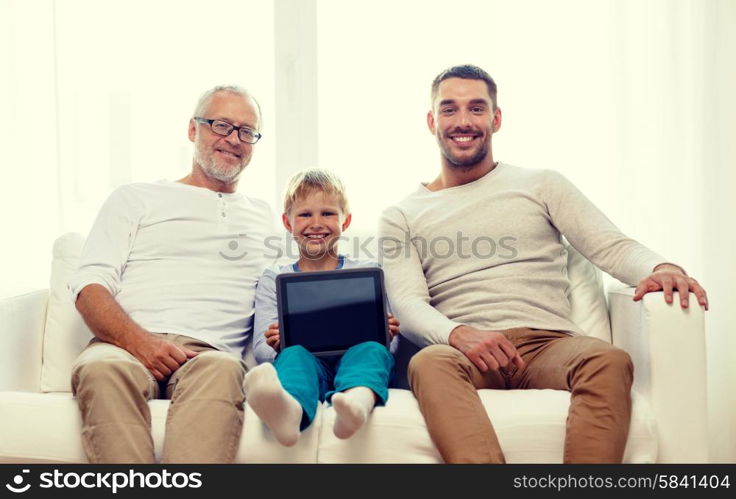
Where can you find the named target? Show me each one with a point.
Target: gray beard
(212, 169)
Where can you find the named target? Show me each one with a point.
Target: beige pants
(598, 374)
(205, 417)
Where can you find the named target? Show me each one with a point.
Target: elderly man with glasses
(166, 284)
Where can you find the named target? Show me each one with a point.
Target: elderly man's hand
(486, 349)
(159, 356)
(668, 278)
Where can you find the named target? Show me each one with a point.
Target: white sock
(275, 406)
(352, 408)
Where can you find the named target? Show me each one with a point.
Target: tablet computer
(328, 312)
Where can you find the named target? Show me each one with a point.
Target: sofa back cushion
(589, 309)
(66, 334)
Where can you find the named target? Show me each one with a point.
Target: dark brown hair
(466, 72)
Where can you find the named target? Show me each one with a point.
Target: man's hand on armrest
(109, 322)
(668, 277)
(486, 349)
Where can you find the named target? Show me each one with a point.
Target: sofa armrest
(667, 346)
(22, 323)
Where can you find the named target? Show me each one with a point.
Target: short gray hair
(206, 97)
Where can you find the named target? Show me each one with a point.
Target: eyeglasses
(224, 128)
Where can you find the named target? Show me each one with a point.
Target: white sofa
(43, 333)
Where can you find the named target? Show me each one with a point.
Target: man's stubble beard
(464, 164)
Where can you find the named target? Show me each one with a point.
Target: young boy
(284, 389)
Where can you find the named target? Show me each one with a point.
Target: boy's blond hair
(315, 180)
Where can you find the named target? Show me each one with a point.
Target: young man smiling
(502, 320)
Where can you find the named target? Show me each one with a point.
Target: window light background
(632, 100)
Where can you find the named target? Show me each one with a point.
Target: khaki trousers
(598, 375)
(204, 421)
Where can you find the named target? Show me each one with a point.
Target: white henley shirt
(181, 259)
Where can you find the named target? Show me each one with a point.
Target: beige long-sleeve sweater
(489, 253)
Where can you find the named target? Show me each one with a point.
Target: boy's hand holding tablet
(273, 338)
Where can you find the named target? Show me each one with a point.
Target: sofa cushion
(66, 334)
(589, 309)
(395, 433)
(530, 425)
(47, 427)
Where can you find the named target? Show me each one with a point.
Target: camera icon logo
(234, 251)
(19, 488)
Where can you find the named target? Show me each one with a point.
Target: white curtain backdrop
(631, 99)
(99, 93)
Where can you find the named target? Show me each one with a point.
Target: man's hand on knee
(486, 349)
(159, 356)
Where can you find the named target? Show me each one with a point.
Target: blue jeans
(310, 379)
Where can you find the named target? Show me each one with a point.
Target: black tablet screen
(332, 315)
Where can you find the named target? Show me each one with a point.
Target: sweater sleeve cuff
(644, 268)
(670, 264)
(442, 335)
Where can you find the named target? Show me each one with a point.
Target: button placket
(222, 212)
